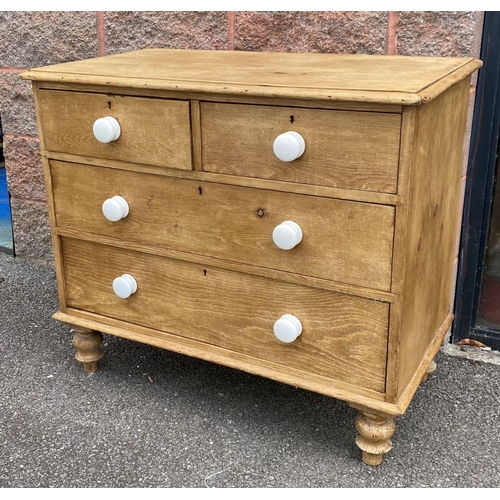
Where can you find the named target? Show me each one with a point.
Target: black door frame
(479, 190)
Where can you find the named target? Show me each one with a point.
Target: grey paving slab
(151, 418)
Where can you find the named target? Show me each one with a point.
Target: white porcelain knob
(115, 208)
(289, 146)
(106, 129)
(124, 286)
(287, 328)
(287, 235)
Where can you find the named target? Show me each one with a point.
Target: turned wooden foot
(374, 436)
(431, 369)
(88, 351)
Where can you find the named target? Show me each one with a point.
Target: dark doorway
(477, 306)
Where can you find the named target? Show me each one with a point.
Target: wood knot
(261, 212)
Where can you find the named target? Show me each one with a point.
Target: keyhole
(200, 190)
(292, 118)
(109, 104)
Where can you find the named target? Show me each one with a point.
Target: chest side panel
(434, 192)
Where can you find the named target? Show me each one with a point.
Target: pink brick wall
(31, 39)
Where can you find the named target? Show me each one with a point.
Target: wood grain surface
(336, 77)
(429, 251)
(343, 337)
(196, 95)
(343, 241)
(346, 149)
(204, 260)
(254, 182)
(153, 131)
(275, 371)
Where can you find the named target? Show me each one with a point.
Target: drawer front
(342, 240)
(345, 149)
(153, 131)
(343, 337)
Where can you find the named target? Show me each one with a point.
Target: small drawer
(343, 337)
(151, 131)
(341, 240)
(344, 149)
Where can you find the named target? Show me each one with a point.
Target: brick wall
(31, 39)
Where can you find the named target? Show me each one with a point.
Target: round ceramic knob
(289, 146)
(287, 235)
(287, 328)
(106, 129)
(115, 208)
(124, 286)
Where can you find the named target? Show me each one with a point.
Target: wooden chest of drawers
(290, 215)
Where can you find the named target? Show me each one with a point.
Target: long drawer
(153, 131)
(346, 149)
(343, 337)
(343, 241)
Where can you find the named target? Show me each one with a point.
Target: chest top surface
(350, 77)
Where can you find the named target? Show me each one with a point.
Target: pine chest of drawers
(290, 215)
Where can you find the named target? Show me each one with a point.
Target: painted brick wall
(31, 39)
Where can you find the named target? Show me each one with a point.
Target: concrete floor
(151, 418)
